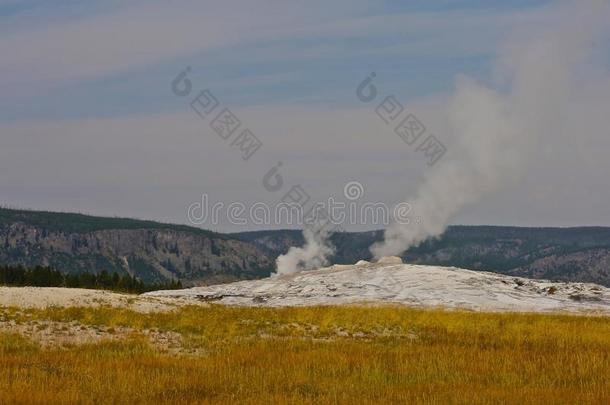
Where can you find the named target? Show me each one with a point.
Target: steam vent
(390, 260)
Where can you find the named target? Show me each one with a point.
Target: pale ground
(390, 281)
(43, 297)
(48, 333)
(386, 282)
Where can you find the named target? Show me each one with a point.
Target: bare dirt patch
(44, 297)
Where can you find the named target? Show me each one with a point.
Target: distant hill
(157, 252)
(151, 251)
(566, 254)
(80, 223)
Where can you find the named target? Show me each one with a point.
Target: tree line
(42, 276)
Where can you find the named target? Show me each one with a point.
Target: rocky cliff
(148, 250)
(154, 251)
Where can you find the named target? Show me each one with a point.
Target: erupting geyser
(492, 131)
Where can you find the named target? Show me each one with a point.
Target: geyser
(493, 132)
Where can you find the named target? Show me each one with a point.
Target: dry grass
(314, 355)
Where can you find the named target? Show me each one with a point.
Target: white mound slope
(390, 281)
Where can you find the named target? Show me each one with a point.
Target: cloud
(132, 37)
(155, 163)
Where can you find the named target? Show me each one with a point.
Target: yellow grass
(315, 355)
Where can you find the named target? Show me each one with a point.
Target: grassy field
(310, 355)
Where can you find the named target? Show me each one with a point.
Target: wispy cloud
(140, 35)
(101, 72)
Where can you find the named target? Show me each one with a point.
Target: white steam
(493, 132)
(313, 254)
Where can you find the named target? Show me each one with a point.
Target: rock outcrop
(150, 251)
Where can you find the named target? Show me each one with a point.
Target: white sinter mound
(390, 281)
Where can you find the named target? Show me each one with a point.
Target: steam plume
(312, 255)
(493, 131)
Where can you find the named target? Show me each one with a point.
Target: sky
(89, 121)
